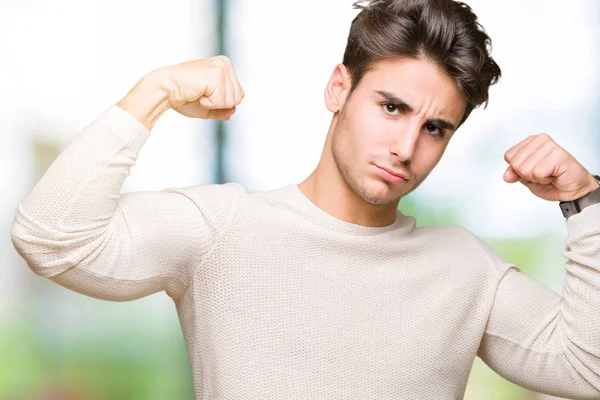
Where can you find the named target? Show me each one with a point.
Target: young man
(323, 289)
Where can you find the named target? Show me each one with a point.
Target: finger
(525, 151)
(230, 90)
(227, 92)
(508, 155)
(218, 98)
(227, 83)
(210, 95)
(532, 161)
(230, 84)
(237, 87)
(221, 114)
(196, 110)
(193, 110)
(549, 168)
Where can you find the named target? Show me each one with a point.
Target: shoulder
(216, 202)
(467, 248)
(211, 194)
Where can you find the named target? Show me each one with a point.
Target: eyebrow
(399, 103)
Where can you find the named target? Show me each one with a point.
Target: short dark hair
(444, 31)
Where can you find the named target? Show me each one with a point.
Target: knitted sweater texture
(279, 300)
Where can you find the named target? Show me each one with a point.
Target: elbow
(32, 251)
(19, 236)
(44, 253)
(583, 363)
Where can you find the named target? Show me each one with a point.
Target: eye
(434, 130)
(391, 109)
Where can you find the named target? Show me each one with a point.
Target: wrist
(573, 207)
(147, 100)
(594, 184)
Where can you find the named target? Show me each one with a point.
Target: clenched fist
(206, 88)
(547, 169)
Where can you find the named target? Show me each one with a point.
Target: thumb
(510, 176)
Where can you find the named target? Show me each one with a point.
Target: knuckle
(216, 71)
(545, 136)
(224, 60)
(550, 145)
(219, 63)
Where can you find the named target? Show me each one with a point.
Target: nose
(405, 142)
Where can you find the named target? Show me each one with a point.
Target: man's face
(400, 118)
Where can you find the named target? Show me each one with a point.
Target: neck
(327, 189)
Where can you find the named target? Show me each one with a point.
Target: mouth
(391, 176)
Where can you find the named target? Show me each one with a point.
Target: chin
(377, 193)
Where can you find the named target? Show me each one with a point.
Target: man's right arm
(75, 228)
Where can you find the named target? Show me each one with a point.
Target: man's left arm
(534, 337)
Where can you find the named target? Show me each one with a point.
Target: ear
(337, 88)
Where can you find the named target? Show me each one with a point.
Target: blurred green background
(68, 61)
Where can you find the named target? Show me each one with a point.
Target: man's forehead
(407, 69)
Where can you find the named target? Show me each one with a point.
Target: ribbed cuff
(587, 221)
(131, 131)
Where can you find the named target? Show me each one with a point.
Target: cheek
(353, 134)
(370, 129)
(427, 160)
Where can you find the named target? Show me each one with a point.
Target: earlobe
(337, 88)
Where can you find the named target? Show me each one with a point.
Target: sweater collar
(294, 193)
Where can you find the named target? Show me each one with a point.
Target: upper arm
(527, 340)
(152, 242)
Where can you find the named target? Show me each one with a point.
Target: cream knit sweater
(279, 300)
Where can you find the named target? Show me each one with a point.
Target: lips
(392, 172)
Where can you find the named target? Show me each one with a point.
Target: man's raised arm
(75, 228)
(534, 337)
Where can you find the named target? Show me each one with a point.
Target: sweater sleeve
(546, 342)
(76, 229)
